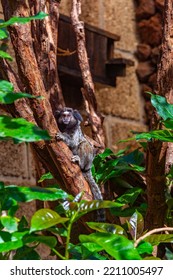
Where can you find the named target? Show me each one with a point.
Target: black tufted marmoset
(68, 121)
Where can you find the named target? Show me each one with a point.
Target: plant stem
(152, 232)
(68, 240)
(58, 254)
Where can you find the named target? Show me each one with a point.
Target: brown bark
(160, 155)
(55, 156)
(95, 118)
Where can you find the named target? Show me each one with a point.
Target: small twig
(156, 230)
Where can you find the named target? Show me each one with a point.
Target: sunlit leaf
(115, 245)
(156, 239)
(107, 227)
(22, 20)
(26, 194)
(45, 218)
(162, 135)
(145, 248)
(10, 223)
(21, 130)
(136, 225)
(5, 55)
(130, 196)
(10, 97)
(11, 241)
(46, 176)
(87, 206)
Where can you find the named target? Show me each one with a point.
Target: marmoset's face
(66, 117)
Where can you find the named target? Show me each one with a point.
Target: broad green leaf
(50, 241)
(164, 109)
(145, 248)
(128, 212)
(26, 194)
(135, 158)
(130, 196)
(5, 55)
(115, 245)
(89, 249)
(21, 130)
(46, 176)
(162, 135)
(87, 206)
(136, 225)
(11, 241)
(10, 97)
(10, 223)
(45, 218)
(22, 20)
(107, 227)
(156, 239)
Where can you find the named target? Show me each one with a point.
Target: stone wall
(149, 27)
(122, 106)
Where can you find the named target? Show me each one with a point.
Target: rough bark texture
(160, 155)
(95, 119)
(38, 76)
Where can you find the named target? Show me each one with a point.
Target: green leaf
(21, 130)
(3, 34)
(26, 194)
(107, 227)
(115, 245)
(50, 241)
(6, 86)
(46, 176)
(128, 212)
(130, 196)
(10, 97)
(136, 225)
(85, 207)
(10, 223)
(145, 248)
(162, 135)
(45, 218)
(22, 20)
(5, 55)
(11, 241)
(89, 249)
(164, 109)
(156, 239)
(135, 158)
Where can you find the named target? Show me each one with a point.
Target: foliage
(126, 241)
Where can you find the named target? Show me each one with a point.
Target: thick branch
(45, 44)
(95, 119)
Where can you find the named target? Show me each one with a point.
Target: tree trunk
(160, 155)
(55, 156)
